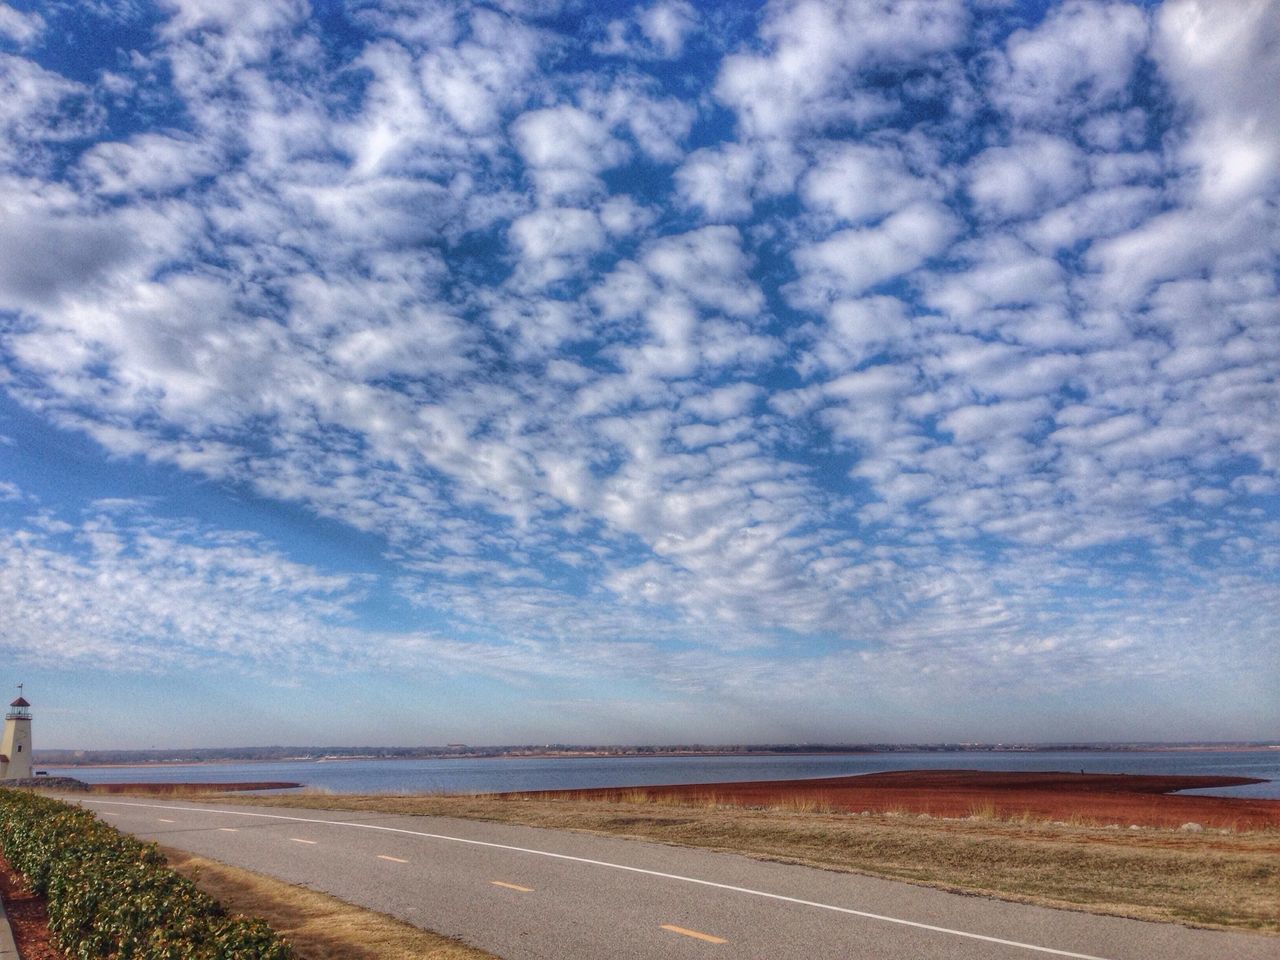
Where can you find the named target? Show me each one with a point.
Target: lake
(556, 773)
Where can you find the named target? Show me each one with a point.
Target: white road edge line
(619, 866)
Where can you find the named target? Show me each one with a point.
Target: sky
(389, 372)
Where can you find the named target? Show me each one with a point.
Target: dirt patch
(28, 917)
(1120, 799)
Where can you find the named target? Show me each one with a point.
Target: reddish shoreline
(1121, 799)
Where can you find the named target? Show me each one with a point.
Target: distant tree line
(60, 758)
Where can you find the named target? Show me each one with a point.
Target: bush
(111, 896)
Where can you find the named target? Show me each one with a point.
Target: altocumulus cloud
(830, 353)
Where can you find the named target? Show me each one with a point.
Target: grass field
(1221, 879)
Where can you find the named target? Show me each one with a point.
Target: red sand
(1121, 799)
(28, 917)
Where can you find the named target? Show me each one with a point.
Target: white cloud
(21, 28)
(422, 342)
(148, 163)
(1026, 177)
(987, 421)
(134, 595)
(551, 240)
(658, 31)
(566, 148)
(856, 329)
(658, 126)
(1003, 272)
(1218, 63)
(859, 182)
(813, 49)
(398, 127)
(554, 232)
(244, 16)
(476, 80)
(1225, 63)
(37, 107)
(851, 261)
(723, 403)
(667, 25)
(245, 28)
(709, 266)
(622, 216)
(1116, 129)
(1080, 58)
(727, 181)
(51, 247)
(1180, 242)
(1092, 216)
(686, 305)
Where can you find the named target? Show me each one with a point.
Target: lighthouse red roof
(20, 702)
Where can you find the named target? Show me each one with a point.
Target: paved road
(525, 893)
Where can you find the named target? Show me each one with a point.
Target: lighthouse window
(19, 748)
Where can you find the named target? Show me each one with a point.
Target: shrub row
(111, 896)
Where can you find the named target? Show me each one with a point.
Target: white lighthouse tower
(15, 746)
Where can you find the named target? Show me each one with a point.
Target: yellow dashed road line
(693, 933)
(512, 886)
(383, 856)
(300, 840)
(229, 829)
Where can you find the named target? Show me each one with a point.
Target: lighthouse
(15, 746)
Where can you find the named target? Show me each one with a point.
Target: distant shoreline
(477, 756)
(622, 753)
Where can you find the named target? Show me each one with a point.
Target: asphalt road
(526, 893)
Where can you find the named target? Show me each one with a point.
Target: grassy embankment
(109, 895)
(1228, 880)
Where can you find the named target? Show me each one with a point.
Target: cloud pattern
(902, 346)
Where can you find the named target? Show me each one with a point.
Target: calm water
(485, 776)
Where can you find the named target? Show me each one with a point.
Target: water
(556, 773)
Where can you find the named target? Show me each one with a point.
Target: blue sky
(385, 372)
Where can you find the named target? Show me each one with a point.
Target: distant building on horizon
(15, 745)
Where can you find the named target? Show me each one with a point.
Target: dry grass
(984, 811)
(1212, 879)
(181, 790)
(319, 926)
